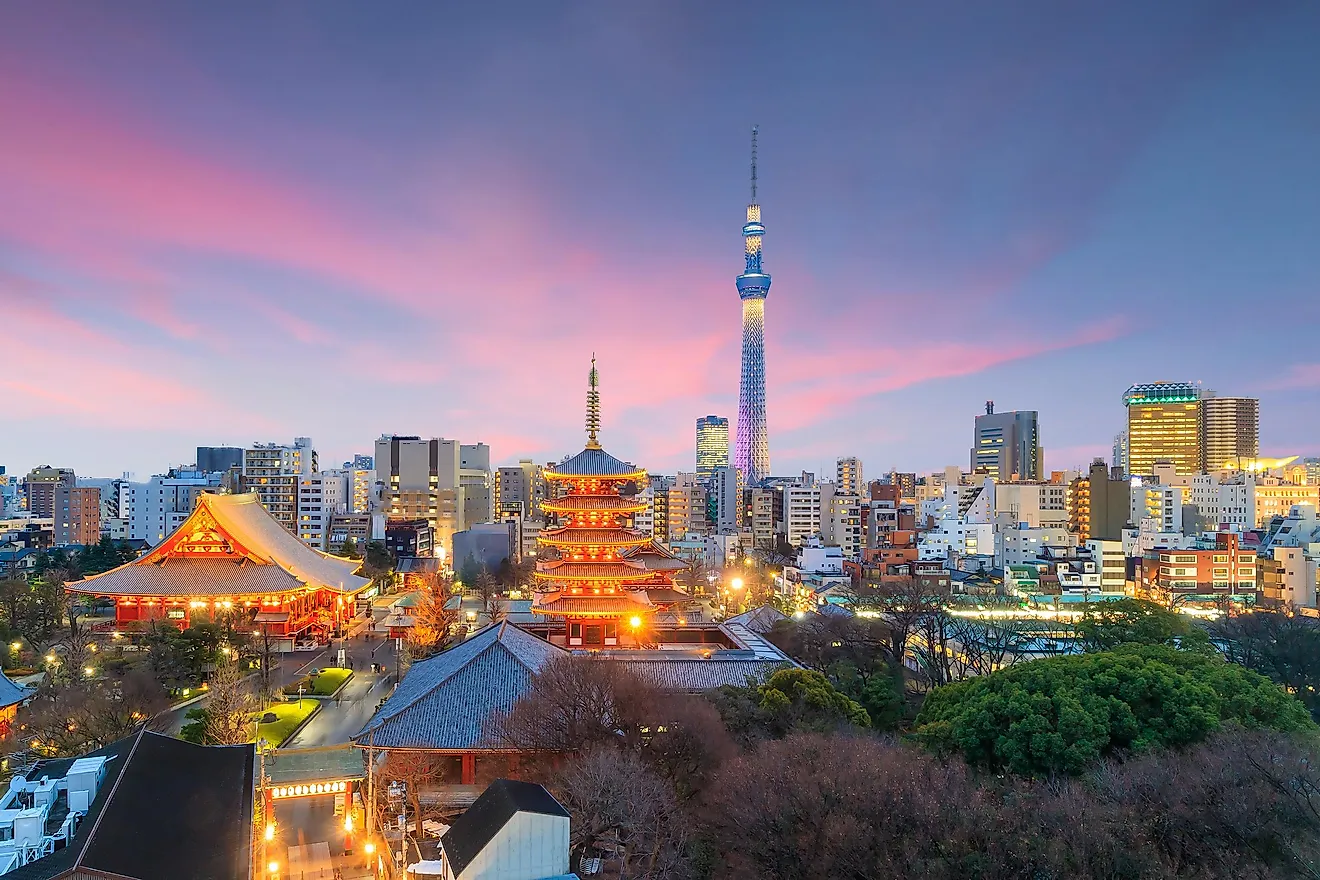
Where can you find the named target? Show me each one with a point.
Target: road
(338, 720)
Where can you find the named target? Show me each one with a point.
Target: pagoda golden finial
(593, 405)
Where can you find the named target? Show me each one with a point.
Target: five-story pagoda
(595, 569)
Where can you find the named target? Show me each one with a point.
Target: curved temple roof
(232, 529)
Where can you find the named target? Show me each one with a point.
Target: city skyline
(211, 240)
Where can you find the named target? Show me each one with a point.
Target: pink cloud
(1298, 376)
(62, 369)
(824, 382)
(498, 302)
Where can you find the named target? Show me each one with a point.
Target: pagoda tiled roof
(560, 569)
(592, 462)
(654, 557)
(588, 503)
(627, 602)
(666, 595)
(589, 537)
(443, 702)
(189, 577)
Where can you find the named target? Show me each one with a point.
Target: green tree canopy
(1059, 715)
(791, 700)
(1106, 625)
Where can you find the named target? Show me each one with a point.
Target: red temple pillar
(469, 769)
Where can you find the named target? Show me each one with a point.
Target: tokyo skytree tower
(751, 453)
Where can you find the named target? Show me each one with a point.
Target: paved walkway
(337, 721)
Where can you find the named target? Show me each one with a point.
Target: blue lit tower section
(751, 454)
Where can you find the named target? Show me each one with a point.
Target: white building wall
(801, 511)
(530, 846)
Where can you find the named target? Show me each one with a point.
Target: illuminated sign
(307, 789)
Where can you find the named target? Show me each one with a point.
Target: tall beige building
(687, 508)
(420, 479)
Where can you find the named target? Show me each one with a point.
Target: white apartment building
(320, 496)
(154, 509)
(841, 519)
(1228, 503)
(1148, 537)
(801, 509)
(1162, 505)
(1299, 573)
(1037, 504)
(1111, 562)
(273, 470)
(1021, 543)
(955, 536)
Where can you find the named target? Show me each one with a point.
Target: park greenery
(1060, 715)
(1162, 747)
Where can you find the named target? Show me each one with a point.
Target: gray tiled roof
(12, 694)
(443, 702)
(190, 577)
(593, 463)
(695, 675)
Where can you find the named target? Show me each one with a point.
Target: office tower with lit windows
(1230, 432)
(1164, 422)
(712, 445)
(1006, 445)
(751, 455)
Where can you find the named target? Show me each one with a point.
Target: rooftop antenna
(755, 129)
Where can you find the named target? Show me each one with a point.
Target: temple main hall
(230, 555)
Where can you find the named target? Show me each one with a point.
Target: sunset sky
(232, 222)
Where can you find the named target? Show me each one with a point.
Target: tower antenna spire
(593, 405)
(755, 129)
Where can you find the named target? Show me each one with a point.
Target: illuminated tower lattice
(751, 454)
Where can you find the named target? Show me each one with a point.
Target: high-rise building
(273, 470)
(420, 479)
(687, 508)
(475, 478)
(213, 459)
(1230, 431)
(154, 509)
(77, 512)
(1006, 445)
(1164, 422)
(728, 500)
(1119, 459)
(712, 445)
(1099, 504)
(39, 488)
(752, 445)
(841, 519)
(848, 474)
(802, 509)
